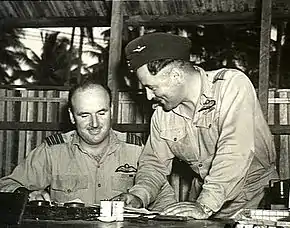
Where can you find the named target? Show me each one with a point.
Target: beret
(156, 46)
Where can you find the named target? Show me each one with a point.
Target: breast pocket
(122, 182)
(65, 187)
(179, 143)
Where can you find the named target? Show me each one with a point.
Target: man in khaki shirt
(210, 120)
(89, 164)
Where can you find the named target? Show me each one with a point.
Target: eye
(84, 115)
(101, 113)
(151, 88)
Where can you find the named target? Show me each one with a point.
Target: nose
(94, 121)
(149, 93)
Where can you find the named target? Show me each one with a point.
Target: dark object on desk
(74, 204)
(278, 194)
(69, 211)
(12, 207)
(171, 218)
(39, 203)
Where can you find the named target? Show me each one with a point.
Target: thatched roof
(98, 13)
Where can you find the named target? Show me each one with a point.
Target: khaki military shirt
(71, 173)
(226, 141)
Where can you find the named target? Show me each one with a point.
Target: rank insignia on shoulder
(219, 76)
(126, 169)
(54, 139)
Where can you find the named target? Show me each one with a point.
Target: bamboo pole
(115, 53)
(265, 55)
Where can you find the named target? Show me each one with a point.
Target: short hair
(86, 84)
(157, 65)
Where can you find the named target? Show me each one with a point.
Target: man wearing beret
(210, 120)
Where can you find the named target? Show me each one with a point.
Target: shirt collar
(113, 145)
(205, 95)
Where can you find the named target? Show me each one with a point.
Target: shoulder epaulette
(54, 139)
(219, 76)
(134, 139)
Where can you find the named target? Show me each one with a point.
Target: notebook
(12, 206)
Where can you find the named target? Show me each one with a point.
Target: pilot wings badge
(139, 49)
(126, 169)
(208, 104)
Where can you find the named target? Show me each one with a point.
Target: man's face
(91, 114)
(162, 87)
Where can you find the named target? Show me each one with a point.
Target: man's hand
(130, 200)
(188, 209)
(39, 195)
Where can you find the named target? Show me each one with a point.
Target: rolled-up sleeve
(155, 165)
(235, 147)
(34, 173)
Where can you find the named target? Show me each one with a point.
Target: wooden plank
(35, 87)
(32, 126)
(191, 19)
(271, 107)
(286, 155)
(280, 129)
(63, 95)
(40, 118)
(95, 21)
(30, 118)
(49, 110)
(22, 134)
(115, 53)
(32, 99)
(277, 100)
(2, 141)
(264, 55)
(283, 162)
(10, 140)
(277, 138)
(139, 114)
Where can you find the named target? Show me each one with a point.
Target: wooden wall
(19, 108)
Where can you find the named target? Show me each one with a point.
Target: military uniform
(224, 138)
(71, 173)
(232, 151)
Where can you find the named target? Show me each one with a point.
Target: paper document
(143, 211)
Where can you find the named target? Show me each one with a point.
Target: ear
(71, 116)
(111, 111)
(176, 75)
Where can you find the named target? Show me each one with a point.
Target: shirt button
(99, 185)
(98, 166)
(175, 139)
(199, 165)
(69, 191)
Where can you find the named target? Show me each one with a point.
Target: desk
(128, 223)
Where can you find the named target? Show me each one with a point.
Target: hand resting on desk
(130, 200)
(188, 209)
(39, 195)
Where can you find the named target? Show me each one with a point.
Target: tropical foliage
(55, 63)
(12, 52)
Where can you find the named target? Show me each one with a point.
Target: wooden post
(265, 55)
(280, 32)
(115, 53)
(71, 47)
(80, 62)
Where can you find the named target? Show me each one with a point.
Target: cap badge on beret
(139, 49)
(156, 46)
